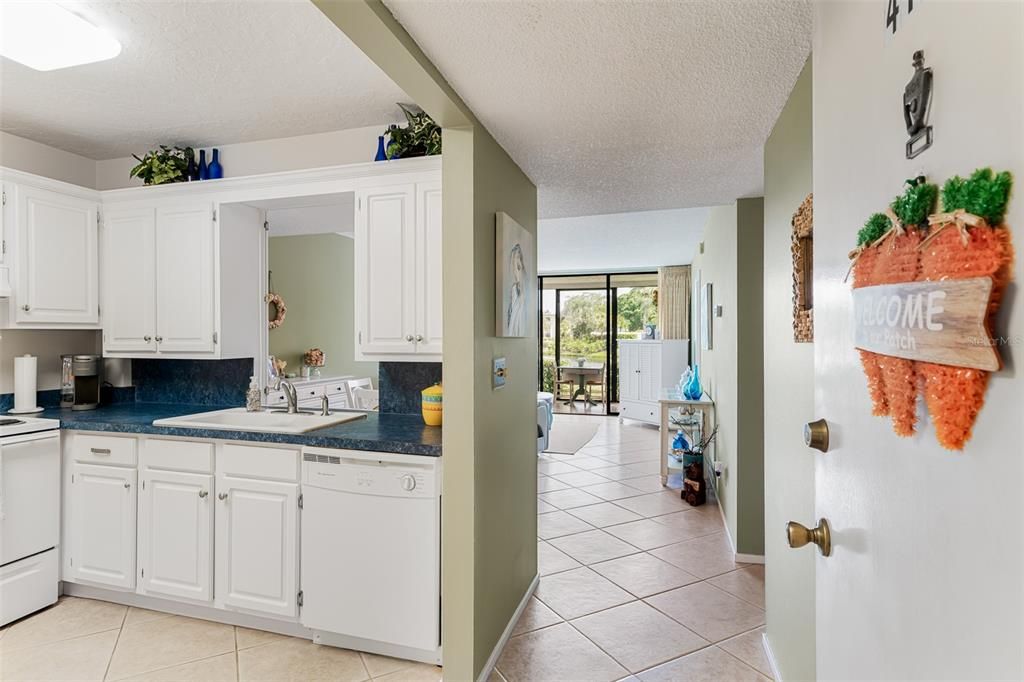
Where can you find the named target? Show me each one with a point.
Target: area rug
(566, 438)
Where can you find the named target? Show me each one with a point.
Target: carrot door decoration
(863, 269)
(968, 240)
(898, 261)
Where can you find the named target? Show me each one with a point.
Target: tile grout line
(120, 629)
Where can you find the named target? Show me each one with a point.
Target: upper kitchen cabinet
(50, 245)
(181, 281)
(398, 272)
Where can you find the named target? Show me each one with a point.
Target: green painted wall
(313, 273)
(732, 371)
(789, 468)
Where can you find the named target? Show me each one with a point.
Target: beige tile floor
(83, 639)
(635, 583)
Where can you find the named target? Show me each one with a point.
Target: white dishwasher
(371, 551)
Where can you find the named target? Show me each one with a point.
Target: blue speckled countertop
(399, 433)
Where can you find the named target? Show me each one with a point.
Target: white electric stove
(29, 514)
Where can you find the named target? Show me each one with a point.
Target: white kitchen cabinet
(179, 282)
(257, 545)
(398, 272)
(100, 512)
(184, 279)
(53, 250)
(175, 545)
(129, 284)
(646, 368)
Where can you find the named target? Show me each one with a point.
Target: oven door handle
(29, 437)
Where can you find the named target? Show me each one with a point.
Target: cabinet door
(629, 377)
(385, 248)
(58, 274)
(176, 535)
(129, 280)
(257, 545)
(649, 358)
(428, 268)
(102, 525)
(185, 295)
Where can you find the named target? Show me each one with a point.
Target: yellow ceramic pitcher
(432, 405)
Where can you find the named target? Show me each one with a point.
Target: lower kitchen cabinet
(175, 545)
(101, 533)
(257, 543)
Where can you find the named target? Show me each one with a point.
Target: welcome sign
(941, 322)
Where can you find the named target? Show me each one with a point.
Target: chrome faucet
(290, 396)
(325, 405)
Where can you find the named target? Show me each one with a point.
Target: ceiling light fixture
(44, 36)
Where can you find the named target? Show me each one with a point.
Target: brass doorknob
(816, 435)
(799, 535)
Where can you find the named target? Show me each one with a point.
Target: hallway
(633, 580)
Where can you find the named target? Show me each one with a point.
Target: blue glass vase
(204, 171)
(381, 153)
(693, 390)
(215, 170)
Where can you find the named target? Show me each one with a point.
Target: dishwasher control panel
(370, 473)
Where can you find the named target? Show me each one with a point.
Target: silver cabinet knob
(222, 496)
(419, 338)
(147, 338)
(127, 485)
(25, 307)
(203, 494)
(408, 337)
(159, 339)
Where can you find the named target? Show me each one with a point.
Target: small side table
(668, 403)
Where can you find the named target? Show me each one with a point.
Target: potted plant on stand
(421, 137)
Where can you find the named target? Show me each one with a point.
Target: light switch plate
(499, 373)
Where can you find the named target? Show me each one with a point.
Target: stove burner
(10, 422)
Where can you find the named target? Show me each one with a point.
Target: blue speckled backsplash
(400, 384)
(195, 382)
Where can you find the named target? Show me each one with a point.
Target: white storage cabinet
(645, 369)
(398, 272)
(50, 254)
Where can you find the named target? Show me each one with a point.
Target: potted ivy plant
(421, 137)
(163, 165)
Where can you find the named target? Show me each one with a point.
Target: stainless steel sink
(267, 421)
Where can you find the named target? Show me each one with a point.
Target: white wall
(619, 241)
(50, 162)
(789, 465)
(354, 145)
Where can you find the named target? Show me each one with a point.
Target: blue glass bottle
(215, 170)
(694, 391)
(381, 154)
(204, 171)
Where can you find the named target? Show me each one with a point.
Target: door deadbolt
(799, 535)
(816, 435)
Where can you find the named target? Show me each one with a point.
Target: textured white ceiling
(199, 73)
(616, 105)
(619, 242)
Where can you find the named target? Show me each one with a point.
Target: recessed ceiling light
(45, 36)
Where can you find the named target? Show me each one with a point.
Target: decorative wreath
(280, 310)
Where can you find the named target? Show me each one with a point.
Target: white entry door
(927, 567)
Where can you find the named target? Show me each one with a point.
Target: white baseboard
(749, 558)
(492, 660)
(771, 657)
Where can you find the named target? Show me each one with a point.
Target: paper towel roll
(25, 383)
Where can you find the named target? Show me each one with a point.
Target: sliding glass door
(581, 317)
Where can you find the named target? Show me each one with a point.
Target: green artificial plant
(422, 137)
(163, 165)
(877, 225)
(916, 203)
(984, 194)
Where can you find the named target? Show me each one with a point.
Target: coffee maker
(80, 381)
